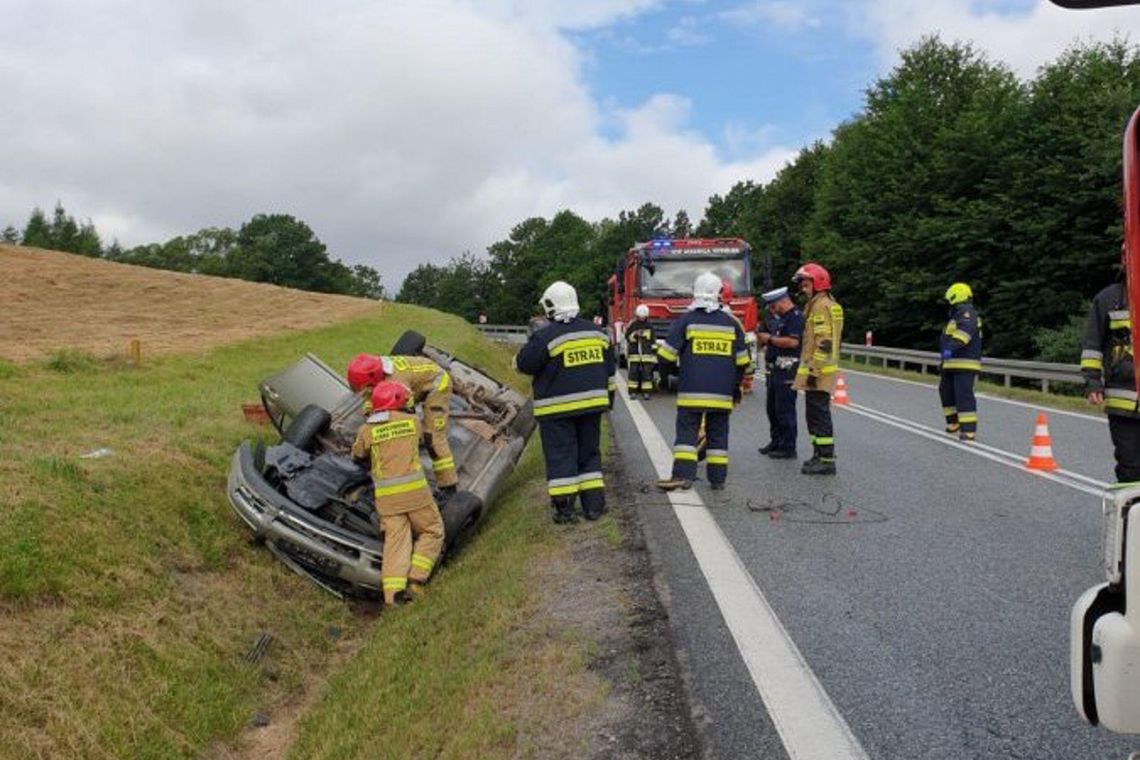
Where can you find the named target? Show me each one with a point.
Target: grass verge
(1027, 395)
(127, 589)
(474, 668)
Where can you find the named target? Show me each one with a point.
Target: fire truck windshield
(674, 276)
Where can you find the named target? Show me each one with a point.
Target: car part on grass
(312, 505)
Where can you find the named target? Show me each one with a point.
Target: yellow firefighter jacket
(819, 355)
(392, 440)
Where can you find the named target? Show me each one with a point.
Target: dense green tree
(10, 235)
(37, 232)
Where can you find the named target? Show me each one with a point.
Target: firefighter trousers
(817, 410)
(640, 374)
(781, 403)
(959, 404)
(685, 444)
(437, 406)
(412, 543)
(572, 449)
(1125, 433)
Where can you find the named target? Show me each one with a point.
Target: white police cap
(774, 295)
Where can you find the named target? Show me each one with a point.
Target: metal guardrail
(1042, 372)
(504, 333)
(884, 356)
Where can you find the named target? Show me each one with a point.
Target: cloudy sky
(406, 131)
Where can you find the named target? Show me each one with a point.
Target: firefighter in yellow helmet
(407, 513)
(960, 346)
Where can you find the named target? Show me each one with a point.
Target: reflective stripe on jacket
(391, 441)
(819, 348)
(572, 365)
(639, 338)
(713, 356)
(1106, 352)
(962, 337)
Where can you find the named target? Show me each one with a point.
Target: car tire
(460, 514)
(309, 423)
(410, 343)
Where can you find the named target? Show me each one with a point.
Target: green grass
(127, 588)
(1027, 395)
(463, 671)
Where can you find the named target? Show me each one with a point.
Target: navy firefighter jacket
(710, 348)
(572, 365)
(962, 338)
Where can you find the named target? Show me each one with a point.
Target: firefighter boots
(563, 508)
(674, 482)
(818, 465)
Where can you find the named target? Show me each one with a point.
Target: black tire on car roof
(306, 426)
(410, 343)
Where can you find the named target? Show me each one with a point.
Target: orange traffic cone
(1041, 455)
(840, 398)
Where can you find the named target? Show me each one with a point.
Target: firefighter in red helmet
(819, 363)
(407, 514)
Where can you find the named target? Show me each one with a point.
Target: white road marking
(1067, 478)
(1052, 410)
(809, 725)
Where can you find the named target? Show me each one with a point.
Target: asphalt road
(927, 588)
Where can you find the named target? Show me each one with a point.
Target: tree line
(273, 248)
(954, 169)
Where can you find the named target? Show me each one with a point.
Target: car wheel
(460, 514)
(409, 344)
(306, 426)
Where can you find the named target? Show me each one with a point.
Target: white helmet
(642, 311)
(706, 291)
(560, 301)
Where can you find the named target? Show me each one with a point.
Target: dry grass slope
(54, 301)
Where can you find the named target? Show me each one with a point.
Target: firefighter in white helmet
(709, 345)
(640, 354)
(572, 364)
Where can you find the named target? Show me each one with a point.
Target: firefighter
(1108, 366)
(781, 356)
(572, 364)
(407, 514)
(961, 350)
(430, 386)
(819, 363)
(641, 355)
(708, 344)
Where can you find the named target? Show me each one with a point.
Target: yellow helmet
(958, 293)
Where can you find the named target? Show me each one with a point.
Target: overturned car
(312, 505)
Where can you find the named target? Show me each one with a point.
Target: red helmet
(365, 370)
(820, 277)
(725, 291)
(389, 395)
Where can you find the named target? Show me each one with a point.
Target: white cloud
(1024, 38)
(688, 33)
(782, 14)
(401, 131)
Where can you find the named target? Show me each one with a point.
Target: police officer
(407, 514)
(819, 363)
(708, 344)
(641, 355)
(572, 364)
(781, 357)
(960, 346)
(430, 385)
(1108, 366)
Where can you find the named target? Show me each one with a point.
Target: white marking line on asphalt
(1039, 407)
(809, 725)
(1001, 456)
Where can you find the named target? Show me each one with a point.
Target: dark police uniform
(780, 365)
(641, 356)
(961, 349)
(572, 365)
(710, 348)
(1108, 366)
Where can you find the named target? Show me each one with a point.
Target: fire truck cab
(660, 273)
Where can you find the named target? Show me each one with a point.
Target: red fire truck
(660, 273)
